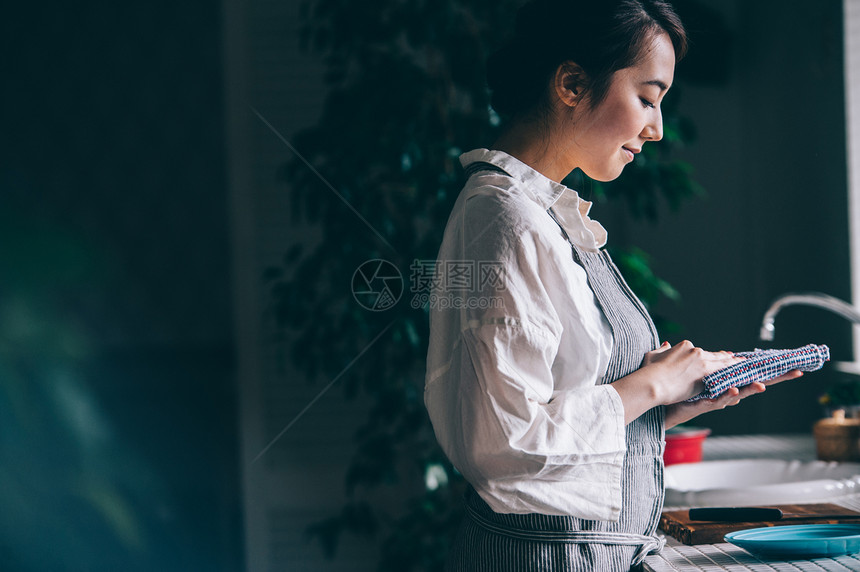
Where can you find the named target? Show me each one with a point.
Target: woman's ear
(569, 83)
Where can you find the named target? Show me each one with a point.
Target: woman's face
(605, 138)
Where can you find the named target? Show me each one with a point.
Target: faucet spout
(816, 299)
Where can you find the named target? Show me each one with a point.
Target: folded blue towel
(763, 365)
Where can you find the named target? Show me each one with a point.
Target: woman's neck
(531, 144)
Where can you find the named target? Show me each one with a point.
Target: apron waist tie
(647, 544)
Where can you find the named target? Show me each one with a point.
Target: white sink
(750, 482)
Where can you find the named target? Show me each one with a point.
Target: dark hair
(602, 36)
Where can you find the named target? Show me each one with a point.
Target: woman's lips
(631, 153)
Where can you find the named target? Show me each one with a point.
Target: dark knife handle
(736, 514)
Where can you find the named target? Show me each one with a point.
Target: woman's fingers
(746, 391)
(730, 397)
(793, 374)
(724, 357)
(715, 361)
(753, 388)
(651, 356)
(682, 412)
(734, 395)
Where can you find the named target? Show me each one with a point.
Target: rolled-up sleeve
(521, 442)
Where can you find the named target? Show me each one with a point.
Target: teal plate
(799, 541)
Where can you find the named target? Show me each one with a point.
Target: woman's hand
(682, 412)
(668, 375)
(681, 368)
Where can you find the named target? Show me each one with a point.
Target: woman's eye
(646, 103)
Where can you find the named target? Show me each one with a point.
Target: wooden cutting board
(677, 523)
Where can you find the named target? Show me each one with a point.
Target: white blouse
(517, 354)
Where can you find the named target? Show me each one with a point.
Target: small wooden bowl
(837, 438)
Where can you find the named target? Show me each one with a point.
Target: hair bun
(517, 73)
(502, 67)
(515, 76)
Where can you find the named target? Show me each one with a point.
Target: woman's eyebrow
(658, 83)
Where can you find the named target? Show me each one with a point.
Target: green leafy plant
(844, 393)
(406, 95)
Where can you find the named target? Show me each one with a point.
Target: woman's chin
(605, 176)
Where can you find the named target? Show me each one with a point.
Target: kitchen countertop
(677, 557)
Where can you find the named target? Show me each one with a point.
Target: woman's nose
(654, 129)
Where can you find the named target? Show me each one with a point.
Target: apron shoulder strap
(479, 166)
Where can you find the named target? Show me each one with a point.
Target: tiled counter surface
(677, 557)
(714, 557)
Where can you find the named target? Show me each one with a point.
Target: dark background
(118, 417)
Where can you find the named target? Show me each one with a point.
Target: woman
(546, 383)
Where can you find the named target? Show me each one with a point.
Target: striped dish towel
(763, 365)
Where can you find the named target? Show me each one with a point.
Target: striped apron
(492, 542)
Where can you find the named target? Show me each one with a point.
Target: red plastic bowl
(684, 445)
